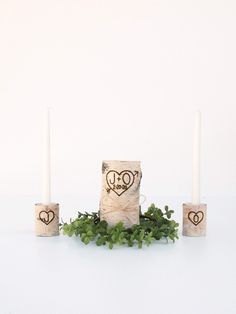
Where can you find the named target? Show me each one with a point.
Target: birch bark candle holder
(46, 213)
(194, 214)
(120, 192)
(194, 220)
(47, 220)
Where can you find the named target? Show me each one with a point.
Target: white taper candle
(196, 159)
(46, 184)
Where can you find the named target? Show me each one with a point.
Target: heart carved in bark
(46, 216)
(196, 217)
(120, 182)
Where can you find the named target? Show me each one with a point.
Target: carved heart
(46, 217)
(195, 217)
(119, 182)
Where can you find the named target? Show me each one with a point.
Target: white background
(124, 79)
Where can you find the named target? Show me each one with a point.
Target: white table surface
(61, 275)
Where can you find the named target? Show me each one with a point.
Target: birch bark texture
(120, 192)
(47, 220)
(194, 220)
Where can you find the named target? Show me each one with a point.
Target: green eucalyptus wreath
(155, 224)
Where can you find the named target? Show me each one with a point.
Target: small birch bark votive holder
(194, 220)
(47, 220)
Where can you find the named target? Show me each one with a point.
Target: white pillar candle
(196, 159)
(46, 188)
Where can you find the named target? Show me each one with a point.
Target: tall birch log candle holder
(120, 192)
(195, 213)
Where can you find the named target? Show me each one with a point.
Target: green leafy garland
(155, 224)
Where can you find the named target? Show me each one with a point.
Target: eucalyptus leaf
(155, 224)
